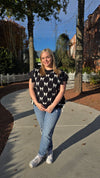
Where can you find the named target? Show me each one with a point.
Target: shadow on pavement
(24, 114)
(7, 167)
(83, 133)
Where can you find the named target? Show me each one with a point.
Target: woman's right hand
(40, 106)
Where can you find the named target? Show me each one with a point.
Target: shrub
(87, 70)
(95, 79)
(6, 61)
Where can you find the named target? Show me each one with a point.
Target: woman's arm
(58, 98)
(33, 96)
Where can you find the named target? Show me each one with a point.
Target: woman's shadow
(83, 133)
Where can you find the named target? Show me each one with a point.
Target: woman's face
(46, 60)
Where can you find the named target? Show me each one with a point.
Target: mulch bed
(90, 97)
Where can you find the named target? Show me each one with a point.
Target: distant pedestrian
(47, 87)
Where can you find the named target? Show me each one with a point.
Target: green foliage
(62, 42)
(69, 64)
(37, 59)
(41, 8)
(62, 58)
(6, 61)
(87, 70)
(61, 49)
(63, 68)
(99, 72)
(66, 63)
(10, 64)
(95, 79)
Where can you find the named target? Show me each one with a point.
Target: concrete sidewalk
(76, 142)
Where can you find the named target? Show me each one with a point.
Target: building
(91, 51)
(72, 47)
(92, 40)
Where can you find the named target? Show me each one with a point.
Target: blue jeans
(47, 122)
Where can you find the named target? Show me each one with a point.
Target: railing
(85, 77)
(6, 79)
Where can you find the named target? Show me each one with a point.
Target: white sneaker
(35, 161)
(49, 159)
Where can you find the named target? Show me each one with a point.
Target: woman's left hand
(49, 109)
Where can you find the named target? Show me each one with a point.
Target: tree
(79, 46)
(31, 8)
(61, 52)
(63, 42)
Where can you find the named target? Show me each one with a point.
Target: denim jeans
(47, 122)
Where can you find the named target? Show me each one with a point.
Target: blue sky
(46, 33)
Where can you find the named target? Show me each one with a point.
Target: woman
(47, 86)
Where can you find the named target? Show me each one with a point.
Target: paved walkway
(76, 142)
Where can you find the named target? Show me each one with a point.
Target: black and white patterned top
(47, 87)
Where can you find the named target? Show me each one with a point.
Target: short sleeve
(63, 77)
(32, 75)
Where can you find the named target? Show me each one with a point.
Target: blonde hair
(42, 69)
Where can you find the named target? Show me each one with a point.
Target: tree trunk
(31, 43)
(79, 46)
